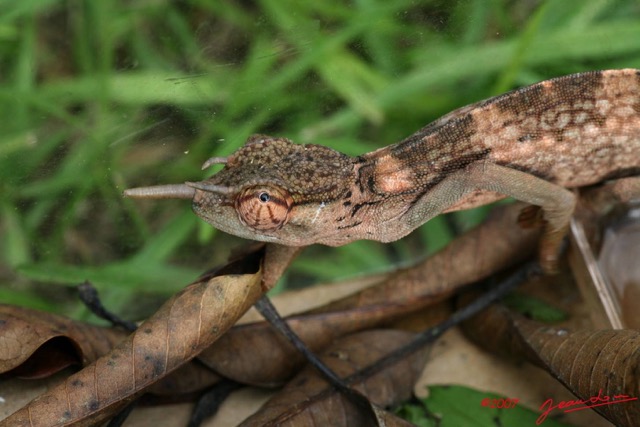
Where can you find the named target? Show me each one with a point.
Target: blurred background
(99, 96)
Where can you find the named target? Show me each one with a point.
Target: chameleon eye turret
(264, 208)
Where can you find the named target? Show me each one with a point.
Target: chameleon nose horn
(174, 191)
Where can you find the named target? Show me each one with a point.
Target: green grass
(98, 96)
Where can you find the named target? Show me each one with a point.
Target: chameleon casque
(534, 144)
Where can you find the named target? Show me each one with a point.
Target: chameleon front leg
(557, 203)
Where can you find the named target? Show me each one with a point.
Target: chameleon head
(269, 190)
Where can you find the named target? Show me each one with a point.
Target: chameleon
(536, 144)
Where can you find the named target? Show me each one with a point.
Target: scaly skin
(533, 144)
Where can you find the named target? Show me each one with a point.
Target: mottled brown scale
(532, 144)
(539, 129)
(309, 172)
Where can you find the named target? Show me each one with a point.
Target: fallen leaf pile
(194, 340)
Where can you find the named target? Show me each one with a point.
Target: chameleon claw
(214, 161)
(174, 191)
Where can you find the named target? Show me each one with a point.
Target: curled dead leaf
(35, 344)
(182, 327)
(595, 365)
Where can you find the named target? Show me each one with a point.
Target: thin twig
(209, 403)
(526, 272)
(89, 296)
(523, 274)
(266, 308)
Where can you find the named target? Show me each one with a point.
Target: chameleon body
(534, 144)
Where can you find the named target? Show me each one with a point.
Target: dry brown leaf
(464, 261)
(35, 344)
(308, 399)
(456, 360)
(182, 327)
(595, 365)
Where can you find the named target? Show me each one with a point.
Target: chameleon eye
(264, 208)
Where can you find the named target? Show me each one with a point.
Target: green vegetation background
(98, 96)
